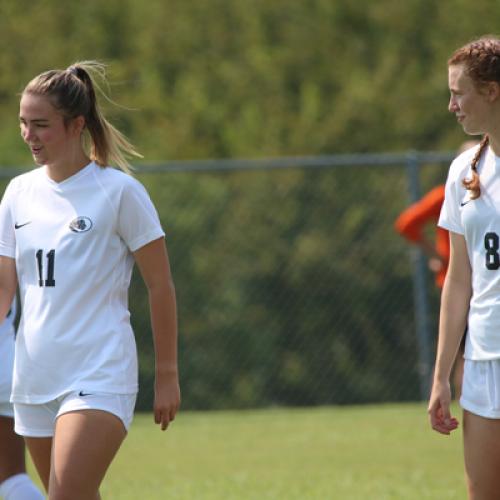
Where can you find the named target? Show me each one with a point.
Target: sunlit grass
(363, 452)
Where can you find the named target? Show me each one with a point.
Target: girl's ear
(493, 91)
(78, 124)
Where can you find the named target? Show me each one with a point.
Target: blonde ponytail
(73, 93)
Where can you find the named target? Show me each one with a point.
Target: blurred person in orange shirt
(411, 224)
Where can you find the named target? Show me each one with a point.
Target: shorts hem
(6, 410)
(40, 420)
(480, 412)
(33, 433)
(126, 424)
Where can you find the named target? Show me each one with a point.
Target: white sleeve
(455, 193)
(7, 232)
(138, 221)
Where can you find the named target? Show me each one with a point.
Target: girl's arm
(455, 300)
(8, 285)
(152, 261)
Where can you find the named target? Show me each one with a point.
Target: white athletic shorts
(6, 410)
(38, 420)
(481, 388)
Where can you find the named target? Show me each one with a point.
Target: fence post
(420, 296)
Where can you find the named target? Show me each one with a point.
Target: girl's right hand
(439, 409)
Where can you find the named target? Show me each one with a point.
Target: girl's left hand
(167, 399)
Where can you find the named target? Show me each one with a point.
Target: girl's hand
(167, 399)
(439, 409)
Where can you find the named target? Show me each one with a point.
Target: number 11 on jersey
(51, 258)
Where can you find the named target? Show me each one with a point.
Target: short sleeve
(450, 218)
(138, 221)
(7, 234)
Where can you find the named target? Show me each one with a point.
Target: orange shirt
(411, 222)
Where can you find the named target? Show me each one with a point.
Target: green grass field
(364, 452)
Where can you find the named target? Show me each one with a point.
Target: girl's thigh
(11, 450)
(40, 452)
(84, 444)
(482, 456)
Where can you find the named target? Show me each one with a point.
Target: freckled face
(43, 130)
(471, 106)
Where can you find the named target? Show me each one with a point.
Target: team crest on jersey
(80, 225)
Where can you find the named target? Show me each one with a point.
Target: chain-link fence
(293, 287)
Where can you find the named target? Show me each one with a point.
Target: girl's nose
(452, 105)
(27, 133)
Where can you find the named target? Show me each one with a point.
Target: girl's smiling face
(43, 129)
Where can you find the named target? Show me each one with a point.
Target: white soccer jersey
(7, 339)
(479, 221)
(72, 242)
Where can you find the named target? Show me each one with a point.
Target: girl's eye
(35, 125)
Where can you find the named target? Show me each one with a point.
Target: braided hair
(473, 184)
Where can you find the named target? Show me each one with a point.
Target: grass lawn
(349, 453)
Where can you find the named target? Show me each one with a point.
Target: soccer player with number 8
(471, 292)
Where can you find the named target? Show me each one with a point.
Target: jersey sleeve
(138, 221)
(411, 222)
(450, 218)
(7, 234)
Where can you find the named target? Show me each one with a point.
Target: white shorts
(481, 388)
(6, 410)
(38, 420)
